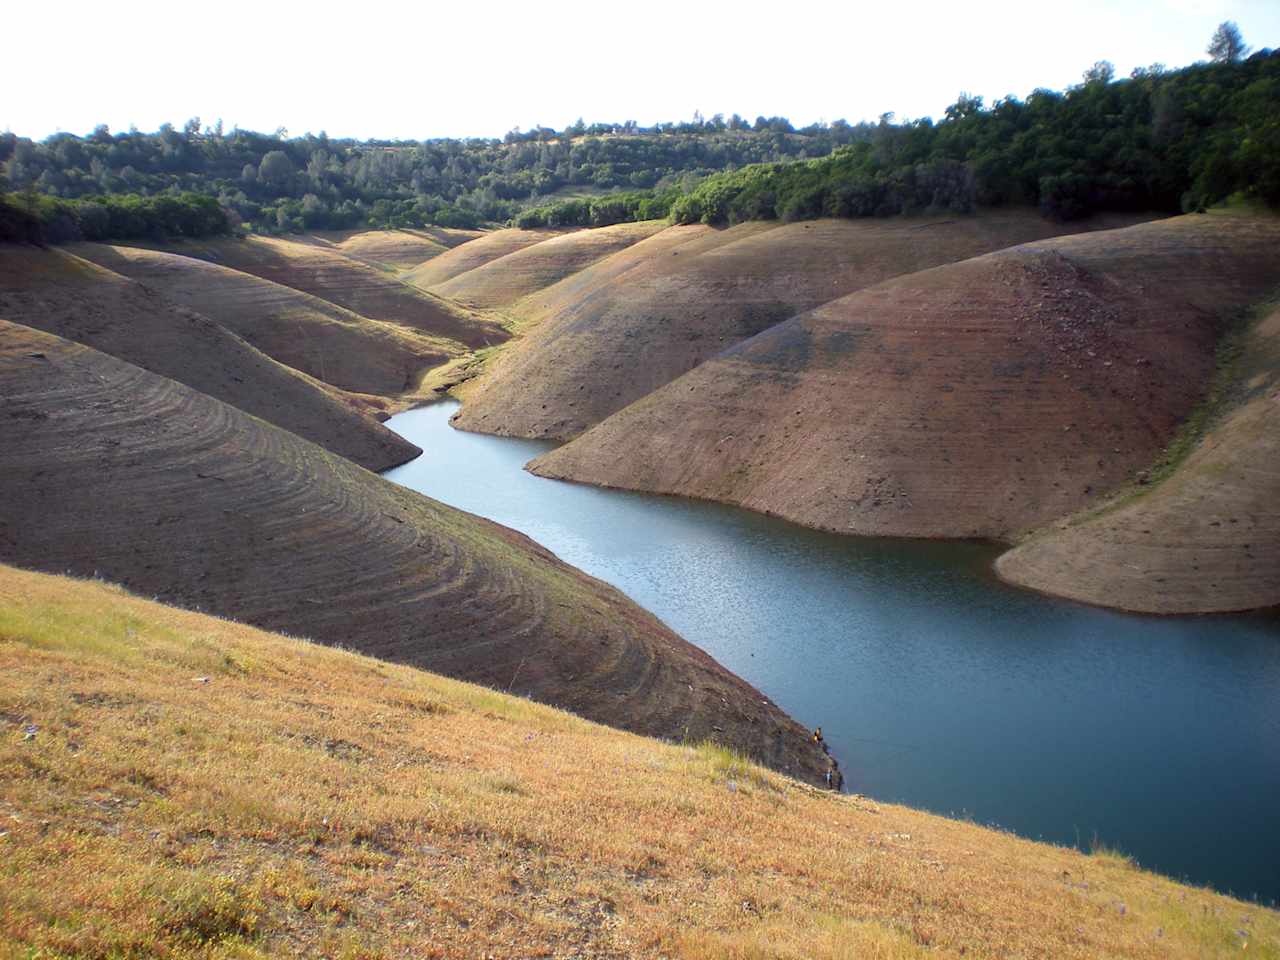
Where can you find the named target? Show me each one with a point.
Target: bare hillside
(978, 399)
(63, 294)
(631, 323)
(1205, 539)
(315, 336)
(106, 469)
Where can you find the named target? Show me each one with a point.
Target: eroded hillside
(1205, 539)
(315, 336)
(108, 470)
(503, 282)
(68, 296)
(475, 254)
(398, 249)
(977, 399)
(631, 323)
(318, 268)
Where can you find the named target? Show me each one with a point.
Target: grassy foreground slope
(68, 296)
(502, 282)
(978, 399)
(636, 321)
(176, 785)
(1206, 538)
(319, 338)
(318, 268)
(108, 469)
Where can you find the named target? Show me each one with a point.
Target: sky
(393, 70)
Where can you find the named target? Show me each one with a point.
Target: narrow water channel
(936, 685)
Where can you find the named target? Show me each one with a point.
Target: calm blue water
(935, 685)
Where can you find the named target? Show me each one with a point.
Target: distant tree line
(600, 211)
(277, 183)
(1160, 140)
(39, 218)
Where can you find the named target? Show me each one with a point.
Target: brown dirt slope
(309, 334)
(500, 283)
(475, 253)
(979, 399)
(314, 267)
(299, 801)
(70, 297)
(110, 470)
(597, 346)
(1205, 539)
(398, 249)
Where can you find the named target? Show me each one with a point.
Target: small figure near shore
(834, 778)
(817, 735)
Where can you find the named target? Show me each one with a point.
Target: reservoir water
(936, 685)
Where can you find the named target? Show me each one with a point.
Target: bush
(121, 216)
(17, 225)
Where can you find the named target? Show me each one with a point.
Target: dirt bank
(502, 282)
(316, 267)
(632, 323)
(398, 249)
(63, 294)
(315, 336)
(107, 469)
(978, 399)
(1205, 539)
(476, 253)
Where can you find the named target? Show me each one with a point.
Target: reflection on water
(935, 685)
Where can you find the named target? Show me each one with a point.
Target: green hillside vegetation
(39, 218)
(1160, 140)
(312, 182)
(599, 211)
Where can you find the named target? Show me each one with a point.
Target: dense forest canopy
(313, 182)
(1161, 141)
(1164, 140)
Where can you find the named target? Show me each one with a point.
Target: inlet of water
(936, 685)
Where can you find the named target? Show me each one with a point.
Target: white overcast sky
(479, 67)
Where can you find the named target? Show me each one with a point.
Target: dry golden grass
(176, 785)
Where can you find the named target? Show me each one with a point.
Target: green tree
(1227, 46)
(1103, 71)
(276, 168)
